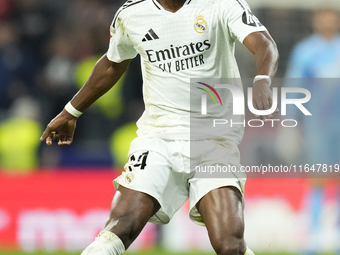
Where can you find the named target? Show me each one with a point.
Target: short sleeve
(240, 19)
(121, 48)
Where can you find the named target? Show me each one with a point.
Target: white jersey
(198, 41)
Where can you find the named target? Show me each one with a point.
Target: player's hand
(60, 129)
(263, 98)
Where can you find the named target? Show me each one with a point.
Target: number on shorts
(141, 161)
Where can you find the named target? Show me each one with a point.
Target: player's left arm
(264, 48)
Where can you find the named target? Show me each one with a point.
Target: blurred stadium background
(57, 198)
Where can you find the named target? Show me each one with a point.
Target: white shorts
(168, 171)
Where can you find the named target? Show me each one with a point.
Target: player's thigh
(130, 211)
(222, 213)
(224, 159)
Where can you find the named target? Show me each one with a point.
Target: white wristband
(263, 77)
(73, 111)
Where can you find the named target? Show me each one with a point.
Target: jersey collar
(160, 7)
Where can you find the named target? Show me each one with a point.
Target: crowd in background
(47, 50)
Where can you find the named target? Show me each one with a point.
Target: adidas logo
(151, 35)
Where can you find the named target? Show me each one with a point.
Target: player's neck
(171, 5)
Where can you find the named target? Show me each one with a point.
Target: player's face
(327, 23)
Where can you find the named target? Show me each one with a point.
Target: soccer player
(177, 40)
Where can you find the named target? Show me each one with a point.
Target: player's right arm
(103, 77)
